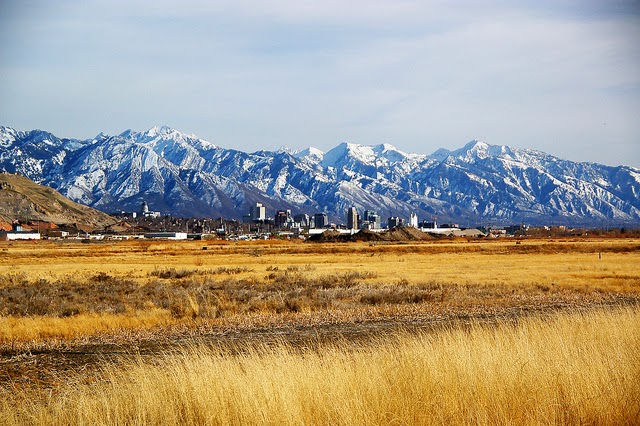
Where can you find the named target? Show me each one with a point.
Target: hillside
(22, 199)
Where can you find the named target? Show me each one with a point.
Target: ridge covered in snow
(184, 175)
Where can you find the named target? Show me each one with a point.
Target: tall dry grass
(565, 369)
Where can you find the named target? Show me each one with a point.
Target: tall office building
(302, 220)
(258, 212)
(372, 218)
(282, 218)
(352, 218)
(320, 220)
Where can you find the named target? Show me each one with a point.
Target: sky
(559, 76)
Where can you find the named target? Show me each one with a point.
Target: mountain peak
(7, 136)
(393, 154)
(384, 147)
(127, 133)
(165, 134)
(310, 154)
(374, 155)
(160, 131)
(474, 150)
(287, 149)
(150, 134)
(346, 151)
(476, 145)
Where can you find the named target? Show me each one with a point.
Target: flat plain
(73, 313)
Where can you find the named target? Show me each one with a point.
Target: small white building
(167, 235)
(56, 233)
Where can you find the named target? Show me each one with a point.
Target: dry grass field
(468, 323)
(51, 291)
(561, 369)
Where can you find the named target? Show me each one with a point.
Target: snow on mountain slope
(182, 174)
(310, 155)
(8, 136)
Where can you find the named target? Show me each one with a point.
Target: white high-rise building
(413, 220)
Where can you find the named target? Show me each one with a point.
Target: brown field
(71, 314)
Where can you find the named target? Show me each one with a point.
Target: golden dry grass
(563, 369)
(36, 328)
(443, 262)
(70, 290)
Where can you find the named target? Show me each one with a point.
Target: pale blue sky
(559, 76)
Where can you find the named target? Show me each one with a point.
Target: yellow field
(565, 369)
(457, 262)
(53, 290)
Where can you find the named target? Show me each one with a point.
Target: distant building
(145, 212)
(302, 220)
(371, 220)
(413, 220)
(320, 220)
(258, 212)
(18, 233)
(57, 233)
(394, 221)
(428, 225)
(167, 235)
(522, 229)
(282, 218)
(352, 218)
(496, 233)
(450, 225)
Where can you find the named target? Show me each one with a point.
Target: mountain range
(184, 175)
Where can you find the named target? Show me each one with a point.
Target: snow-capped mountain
(184, 175)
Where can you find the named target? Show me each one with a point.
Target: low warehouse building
(19, 235)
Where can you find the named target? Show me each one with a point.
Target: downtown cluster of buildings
(258, 220)
(283, 219)
(369, 219)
